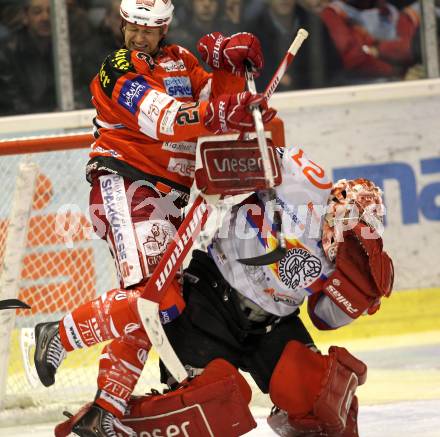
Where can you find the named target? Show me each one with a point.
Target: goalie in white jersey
(248, 315)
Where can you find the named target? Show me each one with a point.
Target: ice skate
(49, 352)
(279, 422)
(98, 422)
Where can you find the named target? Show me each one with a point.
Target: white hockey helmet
(357, 199)
(151, 13)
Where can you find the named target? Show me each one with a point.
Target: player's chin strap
(280, 251)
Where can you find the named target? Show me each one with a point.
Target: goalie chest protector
(302, 197)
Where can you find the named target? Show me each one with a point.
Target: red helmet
(358, 200)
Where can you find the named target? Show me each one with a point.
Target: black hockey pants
(213, 326)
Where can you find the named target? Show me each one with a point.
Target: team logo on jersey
(179, 86)
(154, 237)
(157, 237)
(173, 66)
(132, 92)
(183, 167)
(120, 60)
(299, 268)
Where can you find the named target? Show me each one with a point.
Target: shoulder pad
(115, 65)
(120, 60)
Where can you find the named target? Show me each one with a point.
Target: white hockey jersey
(280, 288)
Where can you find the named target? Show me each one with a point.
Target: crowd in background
(350, 42)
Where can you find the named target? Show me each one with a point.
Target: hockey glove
(229, 53)
(232, 112)
(364, 273)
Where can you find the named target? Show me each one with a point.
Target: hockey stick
(12, 303)
(172, 259)
(164, 273)
(280, 251)
(300, 37)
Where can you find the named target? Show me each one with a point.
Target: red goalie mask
(350, 202)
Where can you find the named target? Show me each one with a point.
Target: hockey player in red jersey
(152, 101)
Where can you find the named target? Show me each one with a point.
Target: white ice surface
(401, 396)
(415, 419)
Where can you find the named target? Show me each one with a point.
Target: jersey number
(188, 114)
(313, 172)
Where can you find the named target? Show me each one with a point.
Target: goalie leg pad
(316, 390)
(214, 403)
(339, 385)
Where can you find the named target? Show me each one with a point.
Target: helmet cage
(350, 202)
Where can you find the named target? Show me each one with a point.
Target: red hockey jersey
(150, 111)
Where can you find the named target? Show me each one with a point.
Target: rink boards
(388, 133)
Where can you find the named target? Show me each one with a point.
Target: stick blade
(9, 304)
(264, 260)
(149, 314)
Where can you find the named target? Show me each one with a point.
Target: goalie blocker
(212, 404)
(230, 166)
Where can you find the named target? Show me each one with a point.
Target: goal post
(14, 245)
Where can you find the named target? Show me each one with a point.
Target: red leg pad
(215, 403)
(317, 390)
(339, 385)
(296, 380)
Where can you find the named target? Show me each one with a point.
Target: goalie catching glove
(229, 53)
(230, 112)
